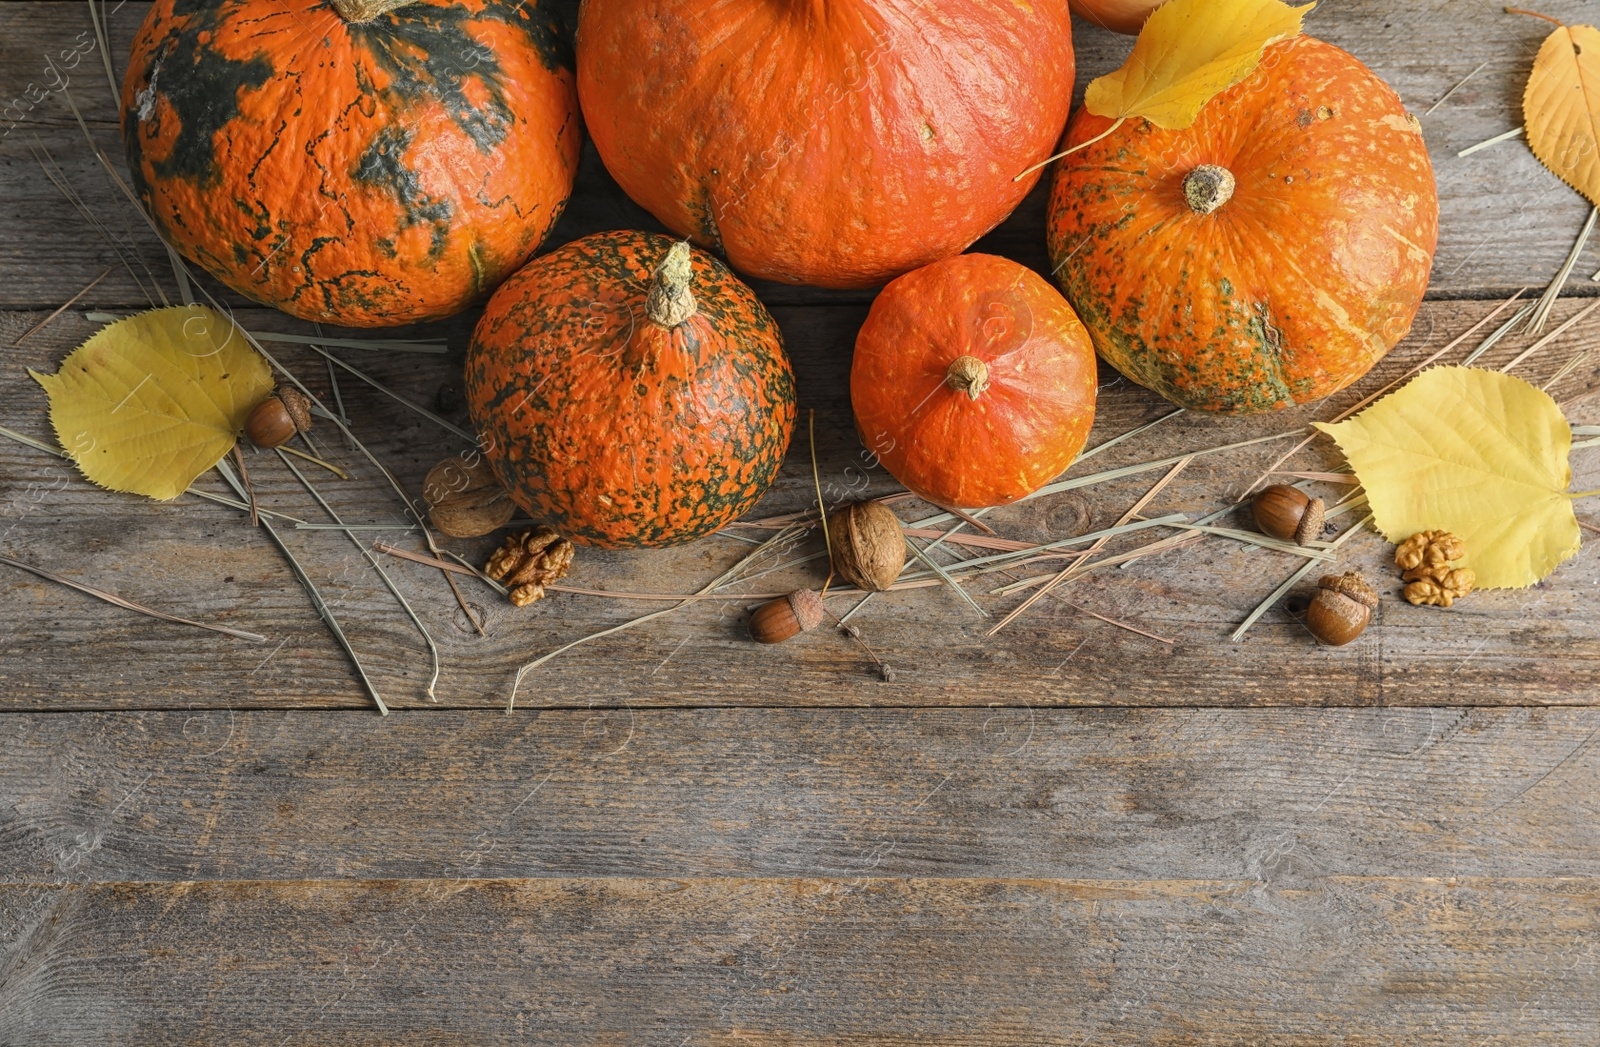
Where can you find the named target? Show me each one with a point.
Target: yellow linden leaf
(1187, 53)
(1478, 453)
(152, 401)
(1561, 117)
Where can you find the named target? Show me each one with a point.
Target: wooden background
(1066, 834)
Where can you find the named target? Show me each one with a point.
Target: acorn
(1341, 609)
(276, 420)
(786, 617)
(1288, 513)
(869, 546)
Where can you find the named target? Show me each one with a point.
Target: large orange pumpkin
(1266, 256)
(830, 142)
(630, 391)
(347, 162)
(973, 381)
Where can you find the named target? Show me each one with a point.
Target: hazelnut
(1341, 609)
(465, 498)
(869, 547)
(786, 617)
(275, 421)
(1288, 513)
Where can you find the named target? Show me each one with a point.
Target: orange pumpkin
(973, 381)
(1119, 16)
(1264, 257)
(830, 142)
(630, 391)
(350, 163)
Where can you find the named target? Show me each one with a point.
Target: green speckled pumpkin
(630, 391)
(359, 162)
(1268, 255)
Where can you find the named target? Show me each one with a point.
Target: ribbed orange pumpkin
(1268, 255)
(830, 142)
(350, 163)
(973, 381)
(630, 391)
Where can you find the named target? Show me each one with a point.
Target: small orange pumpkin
(361, 162)
(973, 381)
(630, 391)
(1264, 257)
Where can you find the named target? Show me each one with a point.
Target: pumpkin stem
(671, 302)
(359, 11)
(1207, 188)
(967, 374)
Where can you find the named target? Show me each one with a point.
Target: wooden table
(1069, 833)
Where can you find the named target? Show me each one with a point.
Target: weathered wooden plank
(62, 650)
(1506, 222)
(801, 961)
(1286, 798)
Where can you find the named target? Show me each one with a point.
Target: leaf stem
(1068, 152)
(1535, 14)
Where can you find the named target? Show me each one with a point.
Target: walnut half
(529, 561)
(1425, 557)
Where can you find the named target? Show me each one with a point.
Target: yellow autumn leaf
(1478, 453)
(1560, 115)
(1188, 52)
(152, 401)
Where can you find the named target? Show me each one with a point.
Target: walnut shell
(465, 499)
(869, 547)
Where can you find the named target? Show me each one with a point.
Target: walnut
(529, 561)
(1428, 548)
(1426, 559)
(1441, 589)
(465, 498)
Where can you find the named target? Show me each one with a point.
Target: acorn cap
(1311, 523)
(1352, 585)
(298, 405)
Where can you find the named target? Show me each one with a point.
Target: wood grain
(63, 650)
(208, 841)
(806, 961)
(1505, 220)
(1282, 797)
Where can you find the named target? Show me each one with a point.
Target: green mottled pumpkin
(630, 391)
(358, 162)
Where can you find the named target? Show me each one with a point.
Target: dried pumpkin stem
(671, 302)
(359, 11)
(1207, 188)
(968, 374)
